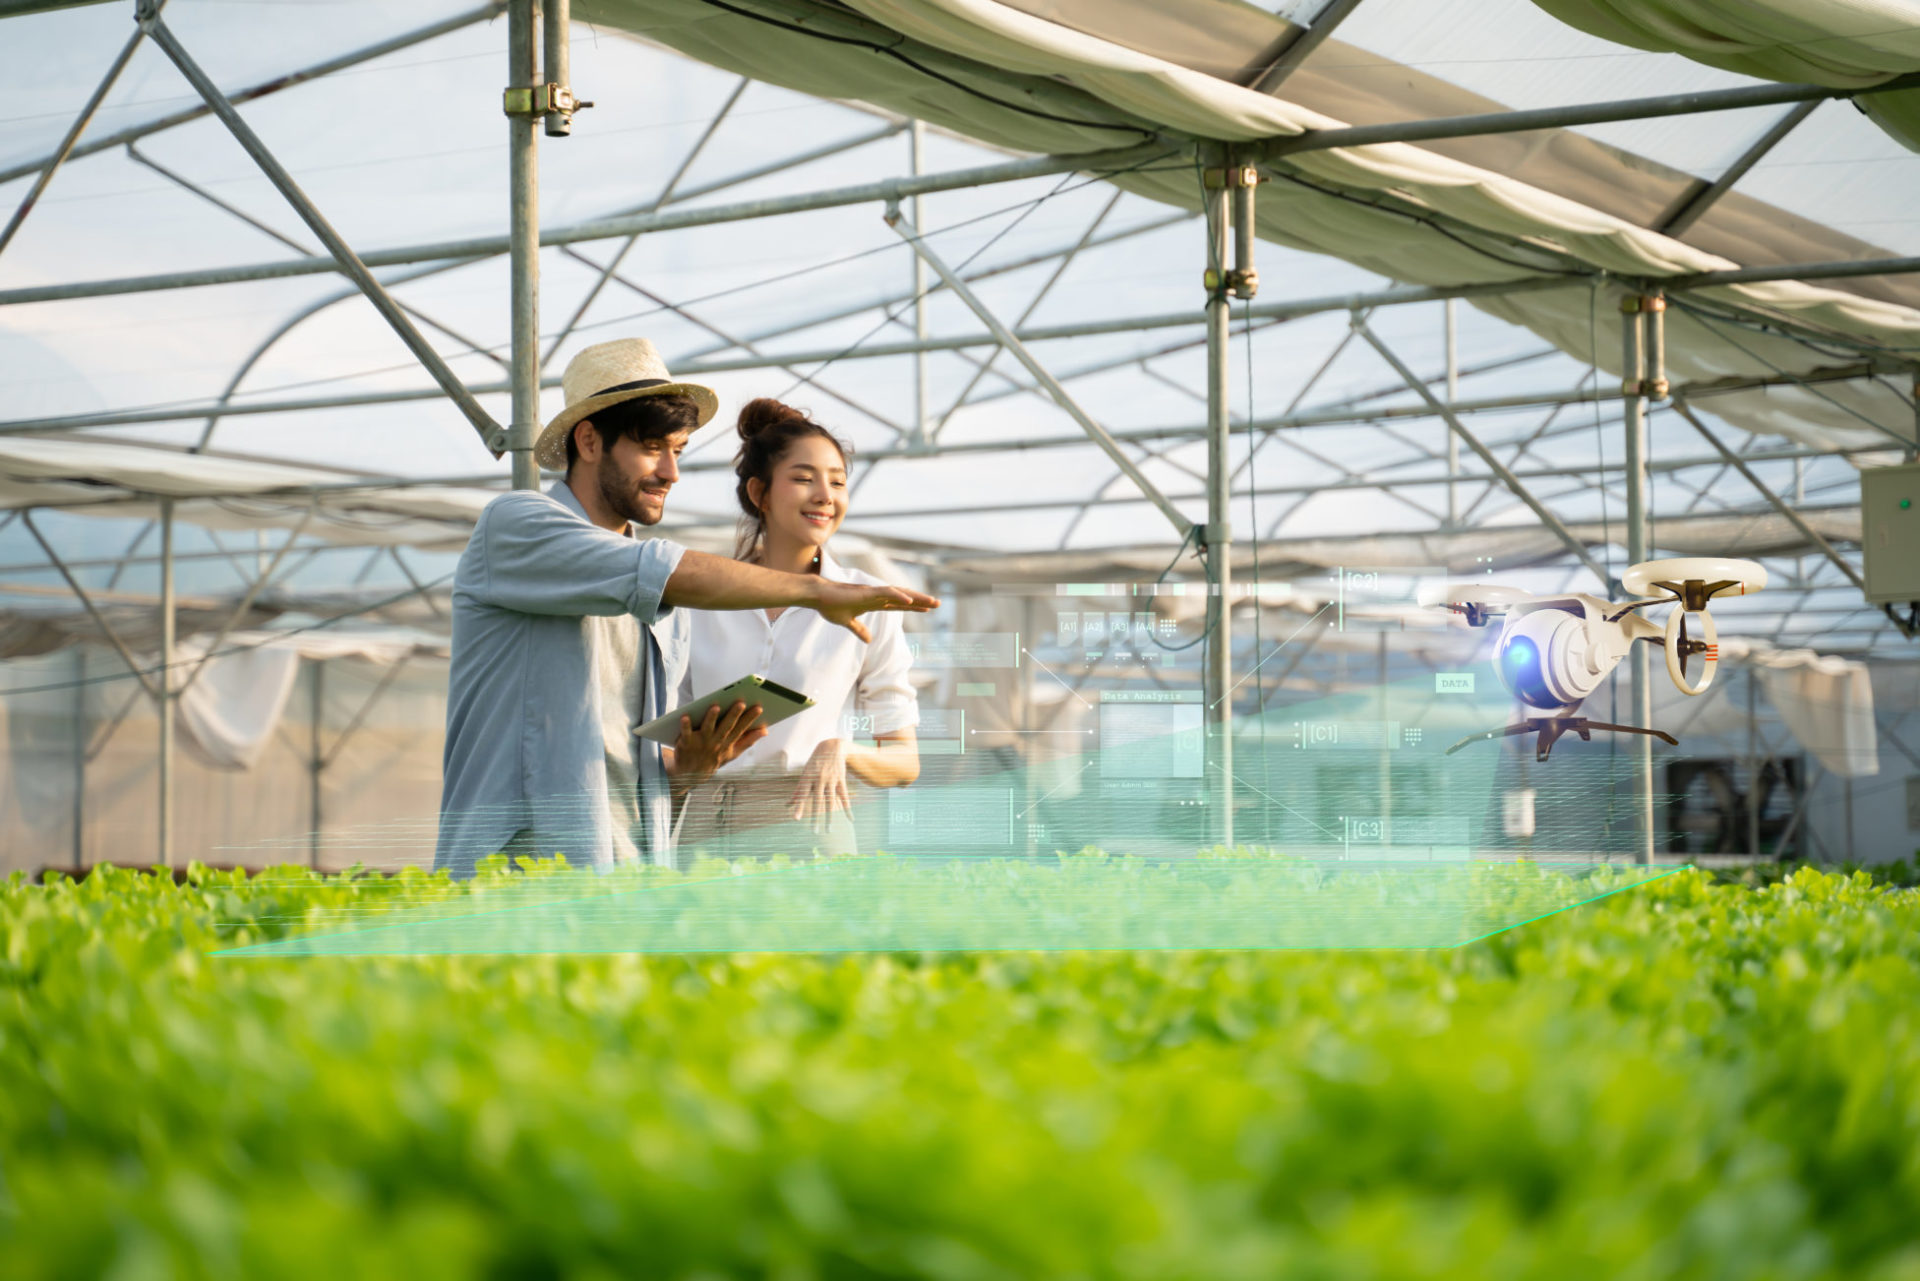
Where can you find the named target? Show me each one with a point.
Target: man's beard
(623, 499)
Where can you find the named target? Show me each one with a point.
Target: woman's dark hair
(768, 429)
(643, 418)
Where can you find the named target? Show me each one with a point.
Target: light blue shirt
(524, 747)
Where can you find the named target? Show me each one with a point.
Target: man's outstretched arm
(703, 581)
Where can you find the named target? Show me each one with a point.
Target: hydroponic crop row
(1684, 1080)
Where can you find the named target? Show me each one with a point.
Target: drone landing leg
(1518, 727)
(1660, 734)
(1551, 728)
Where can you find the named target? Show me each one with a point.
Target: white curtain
(229, 713)
(1826, 702)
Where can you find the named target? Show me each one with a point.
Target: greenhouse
(1374, 739)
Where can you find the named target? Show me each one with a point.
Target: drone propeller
(1481, 603)
(1681, 647)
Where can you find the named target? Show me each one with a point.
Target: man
(565, 640)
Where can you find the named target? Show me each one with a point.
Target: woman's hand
(701, 749)
(822, 788)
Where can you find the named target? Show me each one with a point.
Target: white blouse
(859, 689)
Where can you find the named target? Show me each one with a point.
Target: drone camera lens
(1526, 674)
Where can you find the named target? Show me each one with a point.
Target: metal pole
(523, 196)
(1475, 126)
(316, 761)
(1453, 395)
(1847, 795)
(65, 149)
(1030, 618)
(1693, 204)
(1634, 372)
(918, 438)
(1386, 751)
(344, 258)
(1753, 766)
(556, 65)
(80, 737)
(166, 682)
(1843, 270)
(1304, 44)
(1218, 539)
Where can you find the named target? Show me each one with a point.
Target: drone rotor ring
(1694, 580)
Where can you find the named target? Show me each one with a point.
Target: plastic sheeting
(1848, 44)
(1362, 204)
(78, 770)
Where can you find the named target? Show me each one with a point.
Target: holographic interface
(1076, 789)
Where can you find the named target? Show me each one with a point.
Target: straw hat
(606, 374)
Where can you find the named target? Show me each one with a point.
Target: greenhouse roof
(706, 107)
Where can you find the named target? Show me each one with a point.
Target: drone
(1554, 651)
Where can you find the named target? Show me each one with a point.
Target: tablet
(776, 703)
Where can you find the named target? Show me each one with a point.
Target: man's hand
(701, 749)
(843, 603)
(822, 787)
(703, 581)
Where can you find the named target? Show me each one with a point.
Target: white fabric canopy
(1360, 203)
(1848, 44)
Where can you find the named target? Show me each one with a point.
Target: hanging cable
(893, 51)
(1206, 629)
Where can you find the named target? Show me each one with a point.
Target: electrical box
(1890, 532)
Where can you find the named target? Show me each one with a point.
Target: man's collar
(564, 492)
(571, 501)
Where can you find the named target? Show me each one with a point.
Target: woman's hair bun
(766, 414)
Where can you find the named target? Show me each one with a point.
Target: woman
(787, 794)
